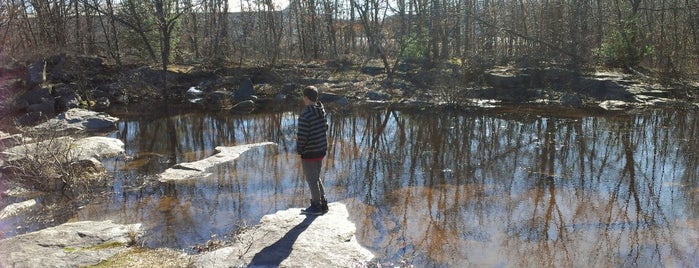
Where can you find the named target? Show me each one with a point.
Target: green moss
(143, 257)
(107, 245)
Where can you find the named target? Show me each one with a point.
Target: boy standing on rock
(312, 145)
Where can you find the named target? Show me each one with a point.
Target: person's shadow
(274, 254)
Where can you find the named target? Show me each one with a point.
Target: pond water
(513, 186)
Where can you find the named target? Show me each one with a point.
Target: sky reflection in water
(500, 187)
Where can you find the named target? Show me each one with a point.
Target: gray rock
(79, 120)
(16, 191)
(92, 62)
(55, 68)
(96, 147)
(16, 208)
(343, 101)
(36, 73)
(571, 100)
(503, 78)
(102, 104)
(47, 107)
(30, 118)
(19, 105)
(37, 150)
(219, 100)
(199, 169)
(9, 140)
(66, 102)
(75, 150)
(245, 91)
(616, 105)
(377, 96)
(244, 106)
(114, 92)
(329, 97)
(290, 239)
(75, 244)
(66, 97)
(35, 96)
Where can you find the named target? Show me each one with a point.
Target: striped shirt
(311, 137)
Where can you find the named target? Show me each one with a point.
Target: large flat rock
(79, 120)
(199, 169)
(290, 239)
(73, 244)
(72, 149)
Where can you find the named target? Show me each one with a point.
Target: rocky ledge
(291, 239)
(284, 239)
(73, 244)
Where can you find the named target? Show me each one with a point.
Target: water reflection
(508, 187)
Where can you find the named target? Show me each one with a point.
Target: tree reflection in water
(501, 187)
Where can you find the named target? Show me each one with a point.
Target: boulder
(36, 73)
(74, 244)
(34, 96)
(37, 150)
(81, 149)
(199, 169)
(219, 100)
(91, 62)
(571, 100)
(291, 239)
(66, 97)
(16, 208)
(96, 147)
(244, 106)
(504, 78)
(102, 104)
(47, 107)
(343, 101)
(616, 105)
(79, 120)
(114, 92)
(67, 102)
(329, 97)
(246, 91)
(31, 118)
(9, 140)
(377, 96)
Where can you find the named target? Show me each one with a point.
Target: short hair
(311, 92)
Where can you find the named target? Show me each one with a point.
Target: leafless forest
(658, 36)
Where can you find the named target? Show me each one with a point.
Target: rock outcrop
(73, 244)
(291, 239)
(78, 120)
(16, 208)
(199, 169)
(74, 150)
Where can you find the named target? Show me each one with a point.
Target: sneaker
(314, 209)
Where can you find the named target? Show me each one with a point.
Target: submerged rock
(198, 169)
(73, 244)
(290, 239)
